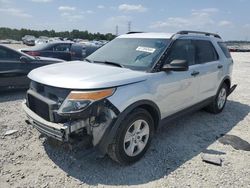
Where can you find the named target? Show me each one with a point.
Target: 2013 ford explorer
(124, 90)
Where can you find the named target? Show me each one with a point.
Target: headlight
(79, 100)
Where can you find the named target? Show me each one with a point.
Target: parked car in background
(15, 65)
(62, 50)
(29, 40)
(41, 40)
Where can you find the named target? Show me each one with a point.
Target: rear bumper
(232, 89)
(55, 130)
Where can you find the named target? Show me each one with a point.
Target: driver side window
(182, 49)
(6, 54)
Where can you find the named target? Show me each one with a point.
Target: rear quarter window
(205, 51)
(224, 48)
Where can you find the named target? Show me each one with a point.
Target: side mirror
(176, 65)
(25, 59)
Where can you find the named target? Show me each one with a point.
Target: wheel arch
(151, 107)
(148, 105)
(226, 80)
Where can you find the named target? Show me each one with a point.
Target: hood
(84, 75)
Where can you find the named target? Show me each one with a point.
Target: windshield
(133, 53)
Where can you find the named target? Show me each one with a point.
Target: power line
(116, 30)
(129, 26)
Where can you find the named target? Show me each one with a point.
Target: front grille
(45, 100)
(39, 107)
(52, 93)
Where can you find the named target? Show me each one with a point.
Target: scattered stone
(18, 163)
(215, 160)
(10, 132)
(45, 185)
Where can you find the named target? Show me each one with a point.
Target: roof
(189, 34)
(148, 35)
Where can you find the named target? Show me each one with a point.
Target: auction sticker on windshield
(145, 49)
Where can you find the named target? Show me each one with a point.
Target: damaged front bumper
(57, 131)
(94, 125)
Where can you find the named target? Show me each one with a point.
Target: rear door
(210, 70)
(12, 72)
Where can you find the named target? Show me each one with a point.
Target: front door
(178, 90)
(11, 72)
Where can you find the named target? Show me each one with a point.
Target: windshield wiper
(88, 60)
(104, 62)
(111, 63)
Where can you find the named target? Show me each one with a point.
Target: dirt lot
(173, 160)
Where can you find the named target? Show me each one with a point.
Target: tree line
(17, 34)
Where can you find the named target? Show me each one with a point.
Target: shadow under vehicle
(176, 143)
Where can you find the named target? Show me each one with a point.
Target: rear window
(224, 48)
(205, 51)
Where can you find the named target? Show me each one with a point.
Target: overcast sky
(230, 18)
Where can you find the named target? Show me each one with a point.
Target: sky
(229, 18)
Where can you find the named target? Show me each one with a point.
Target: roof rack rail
(134, 32)
(199, 32)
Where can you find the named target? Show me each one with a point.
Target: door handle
(219, 66)
(194, 73)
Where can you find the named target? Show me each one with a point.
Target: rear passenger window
(205, 51)
(224, 48)
(182, 50)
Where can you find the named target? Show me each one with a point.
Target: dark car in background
(65, 50)
(15, 65)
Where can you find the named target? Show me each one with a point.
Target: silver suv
(122, 92)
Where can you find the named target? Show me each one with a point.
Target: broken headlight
(77, 101)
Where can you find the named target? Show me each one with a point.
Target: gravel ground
(173, 160)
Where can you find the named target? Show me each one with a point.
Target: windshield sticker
(145, 49)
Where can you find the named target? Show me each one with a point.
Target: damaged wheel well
(150, 106)
(153, 112)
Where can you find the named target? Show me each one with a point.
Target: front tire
(133, 137)
(219, 101)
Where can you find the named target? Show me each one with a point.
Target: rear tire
(219, 101)
(133, 137)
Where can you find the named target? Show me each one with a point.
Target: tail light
(32, 53)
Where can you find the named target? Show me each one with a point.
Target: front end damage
(42, 112)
